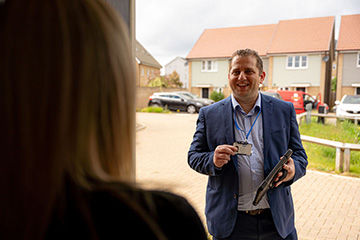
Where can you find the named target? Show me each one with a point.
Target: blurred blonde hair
(67, 93)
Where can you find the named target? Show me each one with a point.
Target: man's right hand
(222, 154)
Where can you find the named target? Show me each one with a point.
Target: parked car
(348, 106)
(272, 94)
(206, 101)
(175, 101)
(299, 99)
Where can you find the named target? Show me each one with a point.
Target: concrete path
(326, 206)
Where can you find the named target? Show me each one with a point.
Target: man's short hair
(246, 53)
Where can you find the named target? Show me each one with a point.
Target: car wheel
(191, 109)
(155, 105)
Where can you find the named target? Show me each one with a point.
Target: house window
(301, 89)
(284, 88)
(297, 62)
(219, 90)
(357, 91)
(358, 60)
(289, 62)
(304, 61)
(209, 66)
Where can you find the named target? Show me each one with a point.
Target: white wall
(180, 66)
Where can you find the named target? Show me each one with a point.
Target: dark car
(175, 101)
(273, 94)
(206, 101)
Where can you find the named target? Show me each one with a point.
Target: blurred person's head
(66, 104)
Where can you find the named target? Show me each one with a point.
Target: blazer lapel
(228, 121)
(267, 110)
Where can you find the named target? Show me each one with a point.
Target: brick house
(301, 55)
(147, 67)
(209, 58)
(348, 60)
(297, 54)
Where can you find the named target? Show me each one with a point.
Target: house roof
(349, 34)
(223, 42)
(181, 58)
(144, 57)
(302, 35)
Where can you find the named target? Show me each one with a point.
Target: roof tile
(223, 42)
(302, 35)
(145, 57)
(349, 34)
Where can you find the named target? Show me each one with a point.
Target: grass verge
(322, 158)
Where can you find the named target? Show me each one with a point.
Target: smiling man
(245, 77)
(265, 127)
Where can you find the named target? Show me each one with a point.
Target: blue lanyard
(237, 126)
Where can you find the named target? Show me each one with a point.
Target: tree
(174, 80)
(158, 82)
(171, 80)
(333, 84)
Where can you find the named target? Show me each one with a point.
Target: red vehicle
(300, 99)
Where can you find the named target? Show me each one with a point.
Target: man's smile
(242, 85)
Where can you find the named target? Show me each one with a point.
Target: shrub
(217, 96)
(155, 110)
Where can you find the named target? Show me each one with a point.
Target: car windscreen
(352, 100)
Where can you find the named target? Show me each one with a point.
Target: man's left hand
(290, 168)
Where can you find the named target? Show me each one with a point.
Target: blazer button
(235, 195)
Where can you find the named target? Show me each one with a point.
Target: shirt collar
(254, 110)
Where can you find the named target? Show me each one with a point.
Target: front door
(205, 92)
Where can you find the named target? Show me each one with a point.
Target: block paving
(326, 206)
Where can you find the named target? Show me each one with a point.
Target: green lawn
(322, 158)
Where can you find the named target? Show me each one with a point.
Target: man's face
(244, 78)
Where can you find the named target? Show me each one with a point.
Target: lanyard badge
(243, 147)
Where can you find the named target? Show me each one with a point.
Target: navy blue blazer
(215, 127)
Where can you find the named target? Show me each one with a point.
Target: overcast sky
(170, 28)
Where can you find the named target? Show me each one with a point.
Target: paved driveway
(326, 206)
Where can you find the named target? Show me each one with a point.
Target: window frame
(297, 60)
(205, 67)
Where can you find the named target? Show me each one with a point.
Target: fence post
(339, 159)
(308, 108)
(347, 160)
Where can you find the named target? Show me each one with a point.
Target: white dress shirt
(251, 168)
